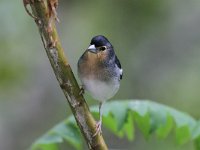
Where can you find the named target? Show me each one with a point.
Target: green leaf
(119, 112)
(143, 123)
(182, 134)
(196, 131)
(65, 131)
(129, 127)
(164, 129)
(110, 123)
(197, 143)
(119, 117)
(70, 133)
(49, 138)
(45, 147)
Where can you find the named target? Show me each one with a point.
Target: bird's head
(101, 46)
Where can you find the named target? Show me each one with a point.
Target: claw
(82, 91)
(98, 128)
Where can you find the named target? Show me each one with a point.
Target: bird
(100, 72)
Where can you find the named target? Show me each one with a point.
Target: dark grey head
(100, 40)
(99, 43)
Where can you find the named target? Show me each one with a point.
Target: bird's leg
(99, 123)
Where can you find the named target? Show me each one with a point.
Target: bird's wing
(119, 66)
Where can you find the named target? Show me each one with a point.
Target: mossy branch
(44, 14)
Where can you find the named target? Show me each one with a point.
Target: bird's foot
(82, 91)
(98, 128)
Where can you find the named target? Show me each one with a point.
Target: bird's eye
(102, 48)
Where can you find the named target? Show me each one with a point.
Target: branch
(44, 14)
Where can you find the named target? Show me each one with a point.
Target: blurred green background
(157, 42)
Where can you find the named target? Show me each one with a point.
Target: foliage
(120, 117)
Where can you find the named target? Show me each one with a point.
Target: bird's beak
(92, 49)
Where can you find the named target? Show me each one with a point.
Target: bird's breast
(100, 90)
(91, 66)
